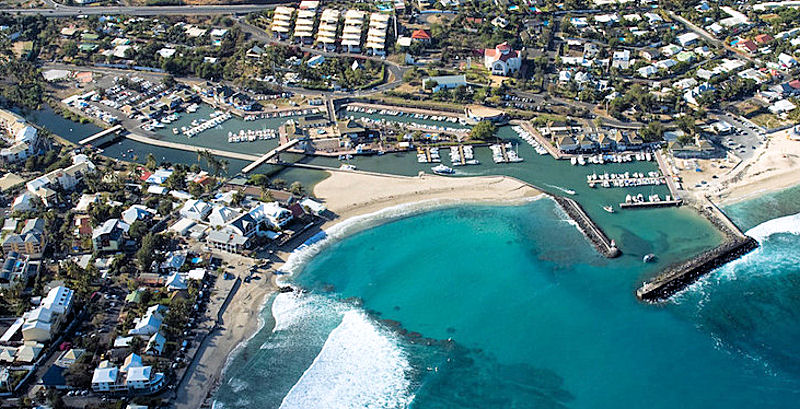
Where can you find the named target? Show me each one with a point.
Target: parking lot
(745, 139)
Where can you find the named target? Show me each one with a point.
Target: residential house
(110, 235)
(621, 59)
(221, 215)
(137, 213)
(150, 322)
(195, 210)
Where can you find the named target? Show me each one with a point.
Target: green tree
(483, 130)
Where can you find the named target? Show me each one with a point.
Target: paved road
(57, 10)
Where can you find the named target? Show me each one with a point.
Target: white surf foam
(754, 263)
(786, 224)
(360, 366)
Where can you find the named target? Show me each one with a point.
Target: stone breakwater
(678, 276)
(592, 231)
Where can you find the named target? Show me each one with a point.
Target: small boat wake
(565, 190)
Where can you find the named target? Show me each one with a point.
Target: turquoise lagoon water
(509, 307)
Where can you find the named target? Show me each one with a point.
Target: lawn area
(768, 121)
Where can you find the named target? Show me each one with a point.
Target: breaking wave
(359, 366)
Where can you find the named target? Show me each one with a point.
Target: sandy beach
(240, 321)
(346, 195)
(775, 167)
(354, 194)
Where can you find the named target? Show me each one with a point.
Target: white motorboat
(443, 169)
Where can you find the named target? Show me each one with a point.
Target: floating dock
(677, 277)
(592, 231)
(658, 203)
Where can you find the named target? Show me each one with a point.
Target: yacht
(609, 208)
(649, 258)
(442, 169)
(347, 166)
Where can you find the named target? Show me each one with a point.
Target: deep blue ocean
(510, 307)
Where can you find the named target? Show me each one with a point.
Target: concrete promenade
(190, 148)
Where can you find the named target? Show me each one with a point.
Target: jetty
(109, 131)
(677, 277)
(269, 155)
(590, 229)
(668, 177)
(547, 145)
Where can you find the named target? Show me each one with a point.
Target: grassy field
(768, 121)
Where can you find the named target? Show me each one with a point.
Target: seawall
(678, 276)
(590, 229)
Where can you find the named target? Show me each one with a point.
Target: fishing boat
(649, 258)
(443, 169)
(609, 208)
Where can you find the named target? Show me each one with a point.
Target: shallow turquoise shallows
(509, 307)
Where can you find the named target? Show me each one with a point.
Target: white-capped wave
(759, 262)
(360, 366)
(786, 224)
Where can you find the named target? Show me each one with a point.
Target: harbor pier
(677, 277)
(590, 229)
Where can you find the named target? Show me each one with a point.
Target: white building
(150, 323)
(502, 60)
(195, 210)
(351, 34)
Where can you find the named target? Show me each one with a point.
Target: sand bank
(353, 194)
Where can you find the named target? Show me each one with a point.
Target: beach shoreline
(775, 168)
(347, 195)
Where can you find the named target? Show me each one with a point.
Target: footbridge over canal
(109, 131)
(269, 155)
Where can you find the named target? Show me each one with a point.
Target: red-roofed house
(421, 36)
(145, 175)
(764, 38)
(502, 60)
(747, 46)
(795, 84)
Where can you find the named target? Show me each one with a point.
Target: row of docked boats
(504, 153)
(217, 118)
(281, 114)
(468, 157)
(429, 155)
(625, 179)
(170, 118)
(527, 137)
(251, 135)
(654, 198)
(385, 123)
(603, 158)
(391, 112)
